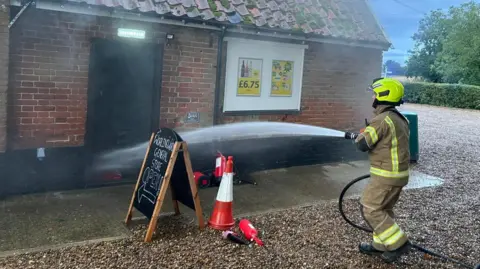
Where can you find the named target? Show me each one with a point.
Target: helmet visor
(370, 91)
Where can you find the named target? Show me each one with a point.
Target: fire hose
(420, 248)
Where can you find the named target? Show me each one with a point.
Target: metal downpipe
(218, 76)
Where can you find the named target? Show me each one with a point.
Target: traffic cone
(222, 215)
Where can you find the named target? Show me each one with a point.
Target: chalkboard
(166, 164)
(153, 172)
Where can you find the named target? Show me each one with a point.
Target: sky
(400, 19)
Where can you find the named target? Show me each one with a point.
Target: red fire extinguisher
(249, 231)
(220, 164)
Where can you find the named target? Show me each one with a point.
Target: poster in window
(282, 77)
(249, 77)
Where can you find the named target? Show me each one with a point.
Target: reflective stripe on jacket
(387, 139)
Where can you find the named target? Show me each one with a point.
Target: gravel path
(445, 219)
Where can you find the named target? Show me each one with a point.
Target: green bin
(414, 144)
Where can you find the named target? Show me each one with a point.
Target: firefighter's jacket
(386, 139)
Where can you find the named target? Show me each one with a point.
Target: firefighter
(386, 139)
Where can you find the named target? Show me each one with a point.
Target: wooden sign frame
(178, 147)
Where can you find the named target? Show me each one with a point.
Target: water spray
(131, 157)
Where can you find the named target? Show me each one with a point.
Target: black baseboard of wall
(22, 172)
(64, 168)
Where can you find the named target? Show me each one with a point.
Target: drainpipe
(24, 7)
(216, 101)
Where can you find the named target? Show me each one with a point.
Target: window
(263, 76)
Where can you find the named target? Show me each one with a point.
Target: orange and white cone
(222, 215)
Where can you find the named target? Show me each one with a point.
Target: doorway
(123, 106)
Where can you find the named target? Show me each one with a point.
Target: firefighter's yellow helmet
(388, 90)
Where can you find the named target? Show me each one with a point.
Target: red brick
(44, 108)
(44, 84)
(26, 114)
(26, 108)
(26, 102)
(203, 85)
(60, 91)
(43, 120)
(169, 84)
(27, 77)
(192, 75)
(185, 69)
(43, 96)
(59, 114)
(26, 120)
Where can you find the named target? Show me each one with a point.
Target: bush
(447, 95)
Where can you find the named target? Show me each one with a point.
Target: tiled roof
(350, 19)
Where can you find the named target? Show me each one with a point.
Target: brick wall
(4, 55)
(49, 54)
(49, 75)
(334, 83)
(189, 69)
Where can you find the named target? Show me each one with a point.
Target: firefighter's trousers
(378, 200)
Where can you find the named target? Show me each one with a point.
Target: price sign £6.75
(249, 86)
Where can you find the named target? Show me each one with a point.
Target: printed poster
(249, 77)
(282, 78)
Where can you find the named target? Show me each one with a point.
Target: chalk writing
(154, 171)
(163, 142)
(144, 192)
(161, 154)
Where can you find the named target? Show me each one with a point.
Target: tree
(459, 60)
(447, 46)
(432, 30)
(394, 67)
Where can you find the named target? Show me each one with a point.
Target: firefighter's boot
(367, 248)
(392, 256)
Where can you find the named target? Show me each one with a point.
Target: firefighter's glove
(349, 135)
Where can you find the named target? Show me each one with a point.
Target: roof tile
(188, 3)
(255, 12)
(174, 2)
(202, 4)
(242, 10)
(162, 8)
(284, 25)
(272, 5)
(193, 12)
(350, 19)
(284, 6)
(207, 14)
(235, 18)
(260, 21)
(261, 4)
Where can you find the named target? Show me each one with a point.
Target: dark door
(124, 94)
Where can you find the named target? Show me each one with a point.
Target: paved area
(50, 219)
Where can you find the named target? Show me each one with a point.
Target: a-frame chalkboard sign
(166, 163)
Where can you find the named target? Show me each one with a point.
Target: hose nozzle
(349, 135)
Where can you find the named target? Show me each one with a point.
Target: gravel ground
(443, 218)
